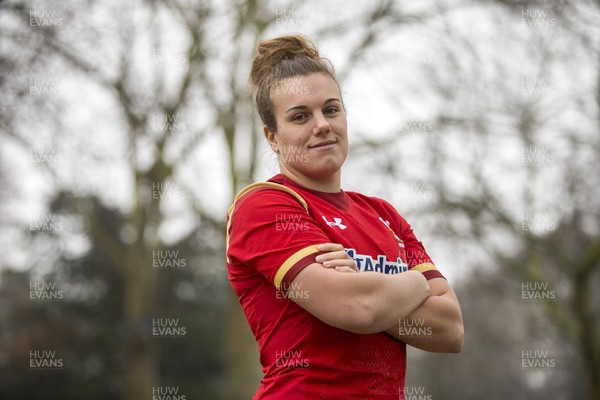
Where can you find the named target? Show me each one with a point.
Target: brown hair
(280, 58)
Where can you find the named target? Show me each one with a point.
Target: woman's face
(311, 138)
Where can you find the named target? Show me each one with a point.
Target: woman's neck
(329, 185)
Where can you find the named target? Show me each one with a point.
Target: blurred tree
(499, 325)
(145, 114)
(87, 327)
(501, 166)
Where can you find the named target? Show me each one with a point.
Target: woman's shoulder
(266, 196)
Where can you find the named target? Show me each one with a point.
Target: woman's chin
(325, 171)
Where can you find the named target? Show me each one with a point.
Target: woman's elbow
(361, 319)
(363, 316)
(457, 341)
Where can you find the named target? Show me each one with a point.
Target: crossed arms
(371, 302)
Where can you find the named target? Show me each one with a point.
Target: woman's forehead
(310, 90)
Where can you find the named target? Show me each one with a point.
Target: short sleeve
(272, 233)
(417, 257)
(415, 253)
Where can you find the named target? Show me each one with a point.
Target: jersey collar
(338, 200)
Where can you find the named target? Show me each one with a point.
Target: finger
(330, 247)
(334, 255)
(341, 263)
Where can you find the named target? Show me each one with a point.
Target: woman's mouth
(323, 144)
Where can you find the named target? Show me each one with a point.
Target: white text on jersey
(367, 263)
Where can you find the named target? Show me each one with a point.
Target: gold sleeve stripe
(291, 261)
(424, 267)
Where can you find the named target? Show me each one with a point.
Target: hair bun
(272, 52)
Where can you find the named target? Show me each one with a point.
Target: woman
(332, 283)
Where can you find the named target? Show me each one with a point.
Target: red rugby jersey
(272, 235)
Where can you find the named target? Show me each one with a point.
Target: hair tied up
(280, 58)
(272, 52)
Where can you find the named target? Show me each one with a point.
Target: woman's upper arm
(272, 234)
(367, 302)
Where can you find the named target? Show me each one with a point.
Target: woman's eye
(299, 117)
(331, 110)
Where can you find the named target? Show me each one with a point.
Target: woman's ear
(271, 138)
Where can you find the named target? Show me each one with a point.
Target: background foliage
(126, 129)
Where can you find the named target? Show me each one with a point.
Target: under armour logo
(336, 222)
